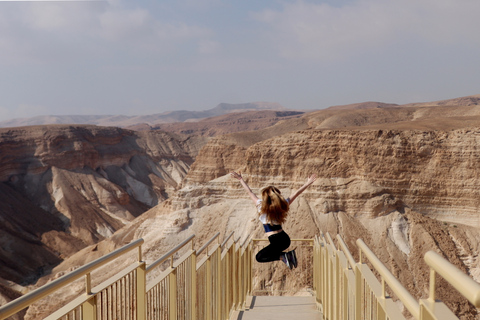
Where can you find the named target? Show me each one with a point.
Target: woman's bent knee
(261, 258)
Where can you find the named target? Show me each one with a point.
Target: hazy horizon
(137, 58)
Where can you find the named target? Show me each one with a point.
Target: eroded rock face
(402, 192)
(66, 187)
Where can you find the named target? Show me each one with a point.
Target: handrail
(208, 243)
(31, 297)
(330, 240)
(347, 253)
(459, 280)
(226, 240)
(186, 288)
(169, 253)
(344, 288)
(244, 241)
(409, 301)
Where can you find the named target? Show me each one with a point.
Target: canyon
(66, 187)
(405, 179)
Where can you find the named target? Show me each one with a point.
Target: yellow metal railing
(93, 304)
(178, 286)
(210, 288)
(433, 309)
(346, 289)
(213, 281)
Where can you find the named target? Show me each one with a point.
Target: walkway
(279, 308)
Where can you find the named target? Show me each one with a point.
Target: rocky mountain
(473, 100)
(229, 123)
(462, 101)
(63, 188)
(364, 105)
(403, 179)
(149, 120)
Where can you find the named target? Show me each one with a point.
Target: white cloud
(46, 16)
(41, 31)
(321, 31)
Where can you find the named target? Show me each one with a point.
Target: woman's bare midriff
(270, 233)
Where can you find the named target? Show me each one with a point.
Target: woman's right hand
(236, 175)
(311, 179)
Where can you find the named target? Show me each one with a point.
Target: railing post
(193, 292)
(89, 308)
(172, 286)
(338, 297)
(320, 272)
(225, 284)
(324, 277)
(208, 300)
(331, 283)
(242, 278)
(234, 274)
(358, 292)
(345, 302)
(250, 268)
(218, 295)
(141, 291)
(432, 285)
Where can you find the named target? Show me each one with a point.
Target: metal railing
(210, 288)
(125, 287)
(179, 288)
(346, 289)
(212, 282)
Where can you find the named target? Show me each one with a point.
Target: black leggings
(278, 242)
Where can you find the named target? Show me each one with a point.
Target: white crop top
(263, 216)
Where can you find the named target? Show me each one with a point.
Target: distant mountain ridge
(364, 105)
(147, 122)
(154, 119)
(466, 101)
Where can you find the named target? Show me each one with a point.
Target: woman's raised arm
(310, 180)
(239, 177)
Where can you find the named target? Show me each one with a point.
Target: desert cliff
(404, 179)
(403, 192)
(63, 188)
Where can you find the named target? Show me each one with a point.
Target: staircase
(279, 308)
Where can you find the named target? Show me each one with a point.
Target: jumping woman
(272, 209)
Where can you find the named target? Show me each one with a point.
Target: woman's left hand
(236, 175)
(312, 179)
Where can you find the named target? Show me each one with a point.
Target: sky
(144, 57)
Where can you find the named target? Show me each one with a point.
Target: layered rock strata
(65, 187)
(399, 178)
(403, 192)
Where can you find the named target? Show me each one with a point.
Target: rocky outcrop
(66, 187)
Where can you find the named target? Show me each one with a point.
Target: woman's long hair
(274, 205)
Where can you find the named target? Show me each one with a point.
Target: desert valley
(404, 178)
